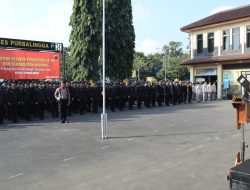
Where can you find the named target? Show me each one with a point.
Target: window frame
(199, 39)
(226, 44)
(234, 37)
(248, 36)
(210, 42)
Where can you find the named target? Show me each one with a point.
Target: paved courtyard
(183, 147)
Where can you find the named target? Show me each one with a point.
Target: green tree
(174, 70)
(174, 56)
(139, 63)
(120, 39)
(173, 49)
(85, 38)
(153, 64)
(67, 66)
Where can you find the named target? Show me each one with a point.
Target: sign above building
(28, 44)
(20, 64)
(206, 72)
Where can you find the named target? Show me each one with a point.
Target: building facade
(220, 49)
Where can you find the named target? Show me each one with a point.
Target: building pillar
(191, 69)
(219, 81)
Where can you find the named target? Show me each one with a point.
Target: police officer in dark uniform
(153, 94)
(112, 97)
(40, 101)
(120, 96)
(27, 101)
(53, 102)
(147, 94)
(2, 103)
(139, 95)
(88, 97)
(62, 95)
(174, 93)
(82, 98)
(32, 98)
(20, 107)
(74, 97)
(94, 98)
(166, 94)
(184, 92)
(189, 92)
(70, 88)
(130, 96)
(159, 93)
(12, 102)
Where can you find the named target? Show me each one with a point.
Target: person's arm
(68, 96)
(56, 94)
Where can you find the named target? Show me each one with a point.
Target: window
(210, 42)
(248, 36)
(226, 39)
(199, 43)
(236, 38)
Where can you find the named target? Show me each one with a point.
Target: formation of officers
(29, 100)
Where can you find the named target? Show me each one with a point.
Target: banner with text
(17, 64)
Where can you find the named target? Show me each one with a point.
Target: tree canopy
(86, 39)
(168, 61)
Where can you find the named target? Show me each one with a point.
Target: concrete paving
(183, 147)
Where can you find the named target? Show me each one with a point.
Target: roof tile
(232, 14)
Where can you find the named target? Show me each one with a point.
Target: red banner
(18, 64)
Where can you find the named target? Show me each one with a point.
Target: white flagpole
(104, 114)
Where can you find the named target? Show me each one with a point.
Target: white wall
(218, 34)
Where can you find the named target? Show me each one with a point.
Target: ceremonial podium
(242, 111)
(239, 176)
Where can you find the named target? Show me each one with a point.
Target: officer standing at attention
(62, 95)
(2, 103)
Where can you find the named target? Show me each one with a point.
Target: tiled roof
(217, 59)
(228, 15)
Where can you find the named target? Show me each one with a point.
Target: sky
(156, 22)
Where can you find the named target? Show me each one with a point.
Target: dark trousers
(20, 109)
(27, 108)
(63, 109)
(95, 105)
(160, 99)
(185, 98)
(74, 105)
(153, 100)
(1, 113)
(139, 99)
(40, 110)
(166, 99)
(112, 104)
(88, 105)
(189, 97)
(12, 112)
(130, 103)
(174, 99)
(53, 108)
(82, 106)
(121, 103)
(147, 101)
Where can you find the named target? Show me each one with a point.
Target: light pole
(139, 73)
(167, 64)
(104, 118)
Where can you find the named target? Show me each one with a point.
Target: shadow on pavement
(165, 135)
